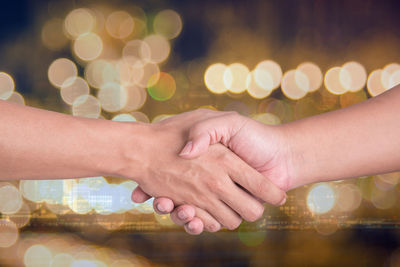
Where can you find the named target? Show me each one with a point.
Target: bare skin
(39, 144)
(359, 140)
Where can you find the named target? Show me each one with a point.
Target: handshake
(207, 168)
(216, 167)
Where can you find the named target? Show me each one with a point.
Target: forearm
(360, 140)
(39, 144)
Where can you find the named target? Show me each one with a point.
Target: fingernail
(182, 215)
(190, 226)
(187, 149)
(160, 208)
(283, 201)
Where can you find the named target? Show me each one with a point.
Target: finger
(210, 131)
(248, 207)
(256, 183)
(183, 214)
(194, 227)
(139, 196)
(210, 224)
(224, 215)
(163, 205)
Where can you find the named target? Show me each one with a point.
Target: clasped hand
(218, 185)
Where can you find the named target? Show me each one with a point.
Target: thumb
(209, 132)
(196, 146)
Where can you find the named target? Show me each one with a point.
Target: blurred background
(274, 61)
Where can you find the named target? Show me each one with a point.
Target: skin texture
(39, 144)
(359, 140)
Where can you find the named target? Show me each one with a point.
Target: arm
(356, 141)
(363, 139)
(38, 144)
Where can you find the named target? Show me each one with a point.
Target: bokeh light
(130, 74)
(167, 23)
(386, 75)
(8, 233)
(6, 86)
(60, 70)
(313, 74)
(321, 198)
(16, 98)
(348, 197)
(88, 46)
(112, 97)
(52, 34)
(164, 89)
(124, 118)
(86, 106)
(136, 97)
(151, 74)
(159, 47)
(37, 256)
(267, 118)
(353, 76)
(136, 51)
(337, 80)
(259, 83)
(79, 21)
(73, 88)
(374, 83)
(10, 199)
(214, 78)
(383, 199)
(271, 67)
(294, 84)
(235, 78)
(120, 24)
(99, 72)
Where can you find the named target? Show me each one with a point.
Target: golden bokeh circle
(112, 97)
(10, 199)
(167, 23)
(16, 98)
(214, 78)
(290, 84)
(159, 48)
(120, 24)
(60, 70)
(374, 83)
(37, 256)
(235, 78)
(357, 74)
(336, 79)
(313, 73)
(79, 21)
(52, 34)
(273, 69)
(6, 86)
(73, 88)
(88, 46)
(8, 233)
(86, 106)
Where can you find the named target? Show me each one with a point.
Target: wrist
(132, 149)
(300, 158)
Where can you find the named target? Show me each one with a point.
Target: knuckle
(217, 186)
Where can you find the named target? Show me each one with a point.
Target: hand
(263, 147)
(208, 182)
